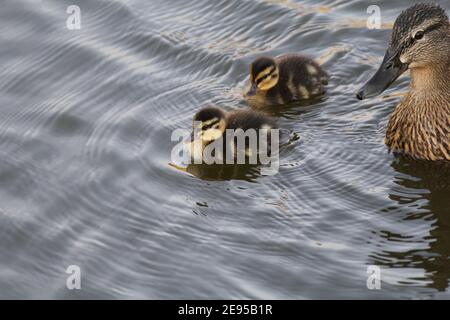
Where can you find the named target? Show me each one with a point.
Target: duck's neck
(431, 81)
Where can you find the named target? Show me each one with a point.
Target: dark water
(85, 126)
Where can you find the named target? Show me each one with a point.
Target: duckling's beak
(252, 90)
(391, 68)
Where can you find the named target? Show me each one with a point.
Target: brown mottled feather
(420, 124)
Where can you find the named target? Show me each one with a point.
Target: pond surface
(86, 180)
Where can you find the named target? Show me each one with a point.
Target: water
(85, 174)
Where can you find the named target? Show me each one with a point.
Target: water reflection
(220, 172)
(425, 190)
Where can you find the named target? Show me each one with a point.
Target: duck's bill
(390, 69)
(252, 90)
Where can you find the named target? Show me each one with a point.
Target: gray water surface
(85, 174)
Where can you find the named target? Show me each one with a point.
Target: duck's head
(208, 125)
(264, 75)
(420, 39)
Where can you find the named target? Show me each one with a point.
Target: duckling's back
(249, 119)
(300, 78)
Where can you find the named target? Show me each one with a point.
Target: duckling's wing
(249, 119)
(304, 77)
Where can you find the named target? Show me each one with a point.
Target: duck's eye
(263, 78)
(418, 35)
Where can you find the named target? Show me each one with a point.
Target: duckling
(420, 125)
(211, 124)
(283, 80)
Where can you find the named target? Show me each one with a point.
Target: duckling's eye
(260, 80)
(418, 35)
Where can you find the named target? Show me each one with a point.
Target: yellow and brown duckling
(420, 124)
(211, 124)
(285, 79)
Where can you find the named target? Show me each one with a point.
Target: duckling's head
(209, 124)
(420, 39)
(264, 75)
